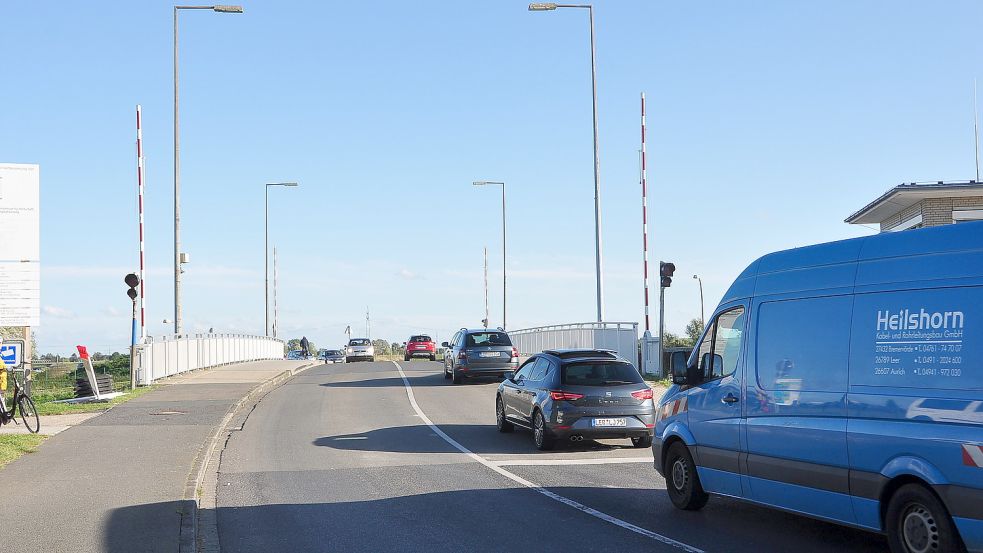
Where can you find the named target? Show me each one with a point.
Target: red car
(420, 345)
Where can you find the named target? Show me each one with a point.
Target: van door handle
(729, 398)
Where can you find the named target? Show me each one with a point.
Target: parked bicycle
(22, 403)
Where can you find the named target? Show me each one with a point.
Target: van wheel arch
(665, 449)
(893, 486)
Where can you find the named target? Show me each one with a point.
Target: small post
(662, 330)
(28, 357)
(133, 347)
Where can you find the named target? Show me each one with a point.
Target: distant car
(359, 349)
(420, 345)
(332, 356)
(577, 395)
(296, 354)
(479, 352)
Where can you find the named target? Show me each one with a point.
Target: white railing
(622, 338)
(170, 355)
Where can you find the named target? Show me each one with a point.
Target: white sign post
(20, 251)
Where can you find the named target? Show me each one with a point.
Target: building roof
(908, 194)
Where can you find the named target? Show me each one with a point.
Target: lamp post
(266, 253)
(177, 166)
(502, 184)
(700, 281)
(549, 6)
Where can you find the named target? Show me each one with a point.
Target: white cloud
(57, 312)
(407, 274)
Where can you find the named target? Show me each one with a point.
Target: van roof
(869, 260)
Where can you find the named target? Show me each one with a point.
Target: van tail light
(558, 395)
(642, 395)
(515, 352)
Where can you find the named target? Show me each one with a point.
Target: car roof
(571, 355)
(480, 330)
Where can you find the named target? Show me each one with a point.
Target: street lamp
(699, 280)
(502, 184)
(177, 166)
(266, 253)
(549, 6)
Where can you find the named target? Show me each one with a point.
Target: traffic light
(665, 271)
(132, 281)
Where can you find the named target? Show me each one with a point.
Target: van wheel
(682, 481)
(917, 522)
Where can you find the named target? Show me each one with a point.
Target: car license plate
(488, 354)
(610, 422)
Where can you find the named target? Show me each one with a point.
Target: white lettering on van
(907, 319)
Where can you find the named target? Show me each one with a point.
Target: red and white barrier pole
(645, 228)
(140, 184)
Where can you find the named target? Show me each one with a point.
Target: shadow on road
(479, 438)
(422, 381)
(510, 519)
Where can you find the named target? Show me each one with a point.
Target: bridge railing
(169, 355)
(620, 337)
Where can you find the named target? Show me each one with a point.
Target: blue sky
(769, 123)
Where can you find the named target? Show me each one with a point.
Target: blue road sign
(12, 353)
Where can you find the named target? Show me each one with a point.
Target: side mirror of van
(445, 345)
(677, 364)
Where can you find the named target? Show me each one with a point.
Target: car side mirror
(677, 363)
(445, 345)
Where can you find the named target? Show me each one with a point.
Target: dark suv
(577, 395)
(480, 352)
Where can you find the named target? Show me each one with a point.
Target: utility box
(651, 364)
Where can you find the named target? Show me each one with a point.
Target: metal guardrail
(169, 355)
(620, 337)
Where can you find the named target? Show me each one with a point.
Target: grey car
(479, 353)
(577, 395)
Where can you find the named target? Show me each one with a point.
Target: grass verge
(51, 408)
(13, 446)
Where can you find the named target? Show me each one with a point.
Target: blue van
(843, 381)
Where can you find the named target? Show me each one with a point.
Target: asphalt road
(340, 459)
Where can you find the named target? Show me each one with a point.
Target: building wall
(934, 211)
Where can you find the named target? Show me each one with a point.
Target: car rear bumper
(359, 357)
(637, 426)
(476, 372)
(421, 353)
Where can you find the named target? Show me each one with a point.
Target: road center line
(536, 487)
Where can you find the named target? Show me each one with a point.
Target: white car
(359, 349)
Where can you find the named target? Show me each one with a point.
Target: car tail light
(642, 395)
(462, 356)
(558, 395)
(515, 352)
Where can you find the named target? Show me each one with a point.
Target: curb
(191, 501)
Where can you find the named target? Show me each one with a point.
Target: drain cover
(169, 413)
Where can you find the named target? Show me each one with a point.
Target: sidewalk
(51, 424)
(138, 453)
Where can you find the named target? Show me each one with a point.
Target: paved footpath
(116, 482)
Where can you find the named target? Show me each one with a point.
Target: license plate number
(488, 354)
(610, 422)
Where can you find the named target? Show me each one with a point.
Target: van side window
(727, 339)
(803, 345)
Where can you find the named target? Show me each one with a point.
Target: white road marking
(547, 462)
(536, 487)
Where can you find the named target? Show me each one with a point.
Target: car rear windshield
(420, 338)
(358, 342)
(600, 374)
(488, 339)
(332, 352)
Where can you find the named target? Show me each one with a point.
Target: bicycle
(22, 402)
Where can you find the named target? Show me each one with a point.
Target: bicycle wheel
(29, 414)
